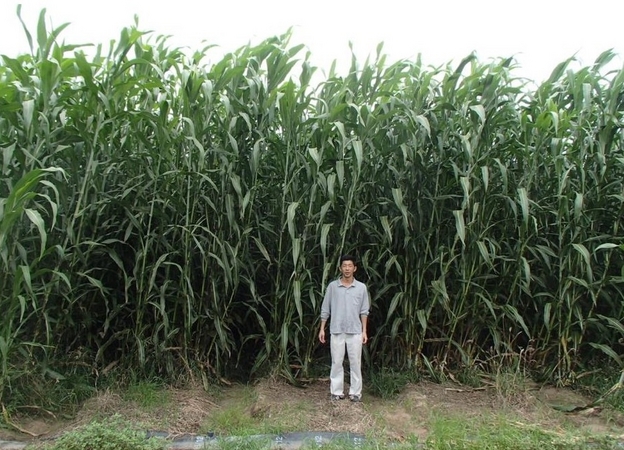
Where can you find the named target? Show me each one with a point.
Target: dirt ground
(275, 405)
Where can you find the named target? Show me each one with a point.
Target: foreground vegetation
(242, 417)
(161, 216)
(455, 434)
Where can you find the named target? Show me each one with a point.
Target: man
(347, 302)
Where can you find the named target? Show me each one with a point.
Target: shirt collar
(355, 281)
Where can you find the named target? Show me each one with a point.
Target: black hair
(351, 258)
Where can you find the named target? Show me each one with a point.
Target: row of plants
(173, 216)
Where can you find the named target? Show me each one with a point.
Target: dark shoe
(337, 397)
(355, 398)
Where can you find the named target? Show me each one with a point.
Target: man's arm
(364, 333)
(321, 335)
(364, 315)
(325, 312)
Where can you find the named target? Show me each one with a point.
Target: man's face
(347, 268)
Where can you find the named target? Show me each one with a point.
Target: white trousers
(353, 344)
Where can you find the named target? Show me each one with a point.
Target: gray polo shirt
(345, 305)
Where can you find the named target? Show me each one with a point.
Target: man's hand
(364, 337)
(322, 335)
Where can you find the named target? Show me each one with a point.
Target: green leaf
(578, 205)
(42, 34)
(386, 226)
(28, 109)
(512, 313)
(485, 175)
(524, 204)
(297, 297)
(28, 35)
(262, 249)
(290, 219)
(422, 320)
(324, 233)
(608, 351)
(480, 110)
(26, 277)
(340, 173)
(606, 245)
(394, 303)
(359, 156)
(485, 254)
(37, 220)
(316, 156)
(54, 375)
(613, 323)
(460, 226)
(547, 310)
(583, 252)
(296, 250)
(424, 123)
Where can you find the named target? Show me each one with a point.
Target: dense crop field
(168, 216)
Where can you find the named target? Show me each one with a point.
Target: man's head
(348, 266)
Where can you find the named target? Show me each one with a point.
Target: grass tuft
(450, 432)
(150, 395)
(388, 383)
(108, 434)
